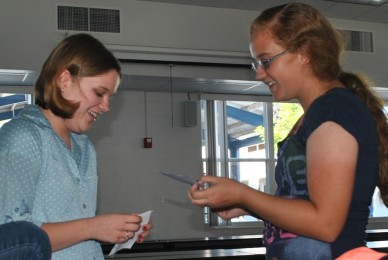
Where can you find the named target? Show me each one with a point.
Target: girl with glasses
(332, 160)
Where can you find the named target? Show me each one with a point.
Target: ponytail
(360, 86)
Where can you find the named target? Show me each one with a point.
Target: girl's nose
(260, 74)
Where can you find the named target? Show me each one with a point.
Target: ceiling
(331, 9)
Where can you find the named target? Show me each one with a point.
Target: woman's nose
(105, 105)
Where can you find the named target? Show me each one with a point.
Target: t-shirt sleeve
(342, 111)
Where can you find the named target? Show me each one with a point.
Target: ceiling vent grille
(358, 41)
(71, 18)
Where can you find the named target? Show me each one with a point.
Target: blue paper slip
(180, 178)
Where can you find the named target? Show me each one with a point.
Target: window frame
(212, 219)
(211, 165)
(21, 90)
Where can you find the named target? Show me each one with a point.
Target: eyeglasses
(264, 63)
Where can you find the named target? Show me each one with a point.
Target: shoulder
(342, 107)
(20, 135)
(18, 128)
(338, 101)
(30, 124)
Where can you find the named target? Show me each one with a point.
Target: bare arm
(113, 228)
(331, 162)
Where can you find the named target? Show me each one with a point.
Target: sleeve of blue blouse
(20, 162)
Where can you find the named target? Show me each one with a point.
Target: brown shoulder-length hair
(83, 56)
(302, 28)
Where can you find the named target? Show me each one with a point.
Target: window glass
(232, 147)
(243, 119)
(252, 174)
(284, 117)
(11, 104)
(378, 208)
(239, 141)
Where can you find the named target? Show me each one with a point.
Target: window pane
(378, 208)
(243, 119)
(234, 134)
(11, 105)
(252, 174)
(285, 116)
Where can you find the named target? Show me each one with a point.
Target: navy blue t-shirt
(341, 106)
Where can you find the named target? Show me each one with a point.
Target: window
(236, 136)
(11, 104)
(239, 141)
(377, 208)
(15, 92)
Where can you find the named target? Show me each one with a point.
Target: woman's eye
(99, 94)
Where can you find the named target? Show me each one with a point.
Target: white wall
(128, 178)
(372, 64)
(29, 32)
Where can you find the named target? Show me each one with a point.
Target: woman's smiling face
(93, 95)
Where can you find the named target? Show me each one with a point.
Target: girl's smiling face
(93, 95)
(283, 76)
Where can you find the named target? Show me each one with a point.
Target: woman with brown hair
(48, 167)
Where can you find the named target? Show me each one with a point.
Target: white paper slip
(128, 245)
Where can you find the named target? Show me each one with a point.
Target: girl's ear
(304, 60)
(64, 80)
